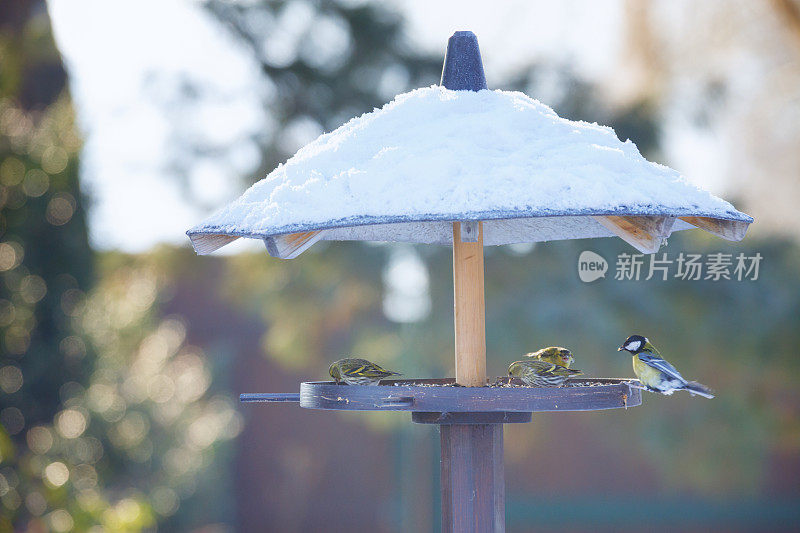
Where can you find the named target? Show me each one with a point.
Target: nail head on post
(470, 231)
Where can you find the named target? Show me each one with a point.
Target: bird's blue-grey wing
(661, 364)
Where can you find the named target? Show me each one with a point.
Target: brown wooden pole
(473, 485)
(470, 322)
(472, 454)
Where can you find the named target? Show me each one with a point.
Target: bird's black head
(633, 344)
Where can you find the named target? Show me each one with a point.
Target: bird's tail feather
(699, 389)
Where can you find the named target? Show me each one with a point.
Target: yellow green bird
(538, 373)
(358, 372)
(655, 372)
(553, 354)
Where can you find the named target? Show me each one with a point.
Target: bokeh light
(40, 439)
(56, 473)
(10, 379)
(71, 423)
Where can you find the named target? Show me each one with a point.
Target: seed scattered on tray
(503, 383)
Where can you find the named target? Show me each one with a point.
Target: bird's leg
(639, 386)
(634, 384)
(650, 389)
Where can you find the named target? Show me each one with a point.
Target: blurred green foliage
(106, 417)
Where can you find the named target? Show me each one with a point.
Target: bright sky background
(119, 54)
(116, 53)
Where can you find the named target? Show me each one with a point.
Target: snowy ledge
(432, 156)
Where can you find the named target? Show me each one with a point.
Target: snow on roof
(434, 155)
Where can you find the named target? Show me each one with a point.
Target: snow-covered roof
(434, 155)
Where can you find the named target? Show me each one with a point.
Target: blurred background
(122, 353)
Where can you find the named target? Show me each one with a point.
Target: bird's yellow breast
(647, 374)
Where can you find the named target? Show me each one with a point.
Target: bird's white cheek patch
(633, 346)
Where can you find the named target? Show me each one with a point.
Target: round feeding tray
(440, 401)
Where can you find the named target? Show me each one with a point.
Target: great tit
(655, 373)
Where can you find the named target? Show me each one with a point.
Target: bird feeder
(461, 165)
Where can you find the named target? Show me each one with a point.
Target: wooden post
(473, 486)
(473, 492)
(470, 322)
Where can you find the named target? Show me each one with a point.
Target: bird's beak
(620, 348)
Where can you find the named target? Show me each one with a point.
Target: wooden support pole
(473, 485)
(470, 322)
(472, 454)
(473, 491)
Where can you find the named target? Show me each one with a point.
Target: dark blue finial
(463, 68)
